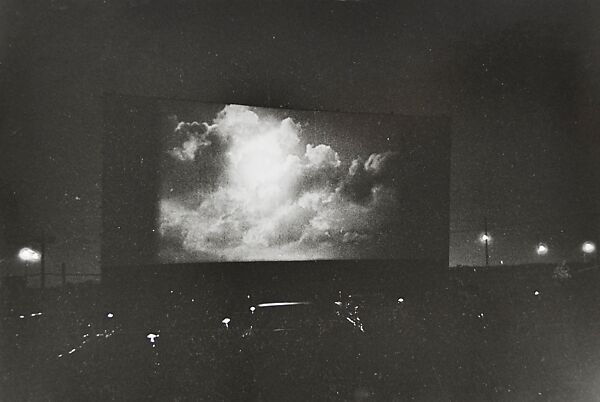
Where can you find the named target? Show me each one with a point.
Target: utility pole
(486, 238)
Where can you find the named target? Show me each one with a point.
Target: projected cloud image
(251, 184)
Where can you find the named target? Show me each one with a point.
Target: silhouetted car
(294, 350)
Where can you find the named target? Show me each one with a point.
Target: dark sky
(519, 81)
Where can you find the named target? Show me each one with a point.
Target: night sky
(519, 81)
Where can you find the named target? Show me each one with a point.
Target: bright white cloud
(274, 198)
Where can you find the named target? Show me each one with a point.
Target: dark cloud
(364, 176)
(321, 169)
(196, 159)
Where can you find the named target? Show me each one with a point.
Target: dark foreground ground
(462, 336)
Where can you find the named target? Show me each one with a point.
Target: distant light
(110, 315)
(152, 337)
(252, 309)
(542, 249)
(536, 293)
(29, 255)
(485, 237)
(226, 321)
(401, 300)
(588, 247)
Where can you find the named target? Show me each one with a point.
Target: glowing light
(29, 255)
(260, 161)
(264, 166)
(541, 249)
(536, 293)
(226, 321)
(401, 300)
(252, 309)
(152, 337)
(485, 237)
(279, 304)
(110, 315)
(588, 247)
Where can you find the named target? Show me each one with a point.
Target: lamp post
(29, 255)
(485, 239)
(588, 248)
(541, 249)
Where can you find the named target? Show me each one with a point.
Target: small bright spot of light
(401, 300)
(541, 249)
(252, 309)
(110, 315)
(588, 247)
(485, 237)
(21, 316)
(151, 337)
(29, 255)
(536, 293)
(226, 321)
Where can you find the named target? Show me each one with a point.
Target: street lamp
(485, 238)
(588, 247)
(542, 249)
(27, 254)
